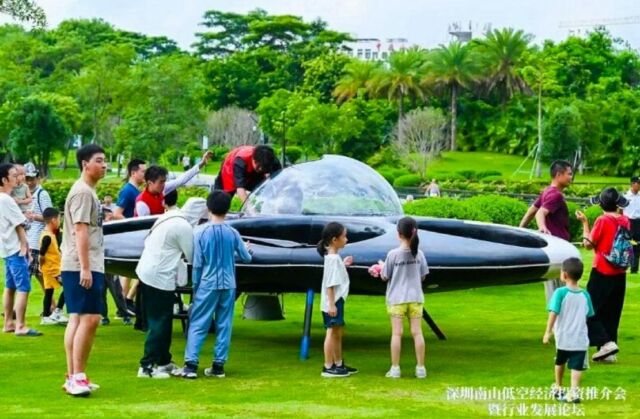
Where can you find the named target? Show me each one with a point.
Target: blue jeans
(17, 273)
(207, 305)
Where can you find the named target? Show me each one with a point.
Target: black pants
(46, 301)
(607, 297)
(112, 283)
(635, 235)
(158, 309)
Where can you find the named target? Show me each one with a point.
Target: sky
(422, 22)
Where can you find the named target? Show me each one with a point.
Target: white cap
(194, 210)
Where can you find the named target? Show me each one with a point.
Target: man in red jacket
(244, 168)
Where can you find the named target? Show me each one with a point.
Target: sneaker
(421, 372)
(394, 372)
(78, 388)
(67, 383)
(611, 359)
(150, 372)
(46, 321)
(127, 321)
(59, 317)
(216, 370)
(92, 386)
(573, 396)
(188, 371)
(609, 348)
(350, 370)
(334, 372)
(131, 307)
(170, 368)
(558, 393)
(105, 321)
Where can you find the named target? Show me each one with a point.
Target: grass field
(494, 340)
(452, 161)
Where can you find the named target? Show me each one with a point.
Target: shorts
(34, 266)
(338, 320)
(576, 360)
(410, 310)
(80, 300)
(16, 273)
(51, 281)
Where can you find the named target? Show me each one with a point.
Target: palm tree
(503, 52)
(354, 82)
(451, 68)
(400, 78)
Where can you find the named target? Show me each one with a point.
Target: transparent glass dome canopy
(333, 185)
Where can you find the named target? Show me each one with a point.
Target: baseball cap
(30, 170)
(635, 179)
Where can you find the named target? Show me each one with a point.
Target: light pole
(284, 137)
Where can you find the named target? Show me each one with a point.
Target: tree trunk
(454, 116)
(66, 153)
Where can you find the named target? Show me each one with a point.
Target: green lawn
(452, 161)
(494, 340)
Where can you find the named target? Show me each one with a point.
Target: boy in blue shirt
(569, 308)
(214, 286)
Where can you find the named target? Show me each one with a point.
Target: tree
(421, 131)
(503, 52)
(232, 127)
(322, 73)
(38, 131)
(401, 79)
(25, 10)
(451, 68)
(353, 83)
(563, 134)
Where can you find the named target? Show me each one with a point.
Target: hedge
(407, 180)
(494, 209)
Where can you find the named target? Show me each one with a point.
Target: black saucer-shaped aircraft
(283, 219)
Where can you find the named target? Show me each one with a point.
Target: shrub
(293, 153)
(493, 179)
(467, 174)
(499, 209)
(487, 173)
(407, 180)
(445, 208)
(384, 156)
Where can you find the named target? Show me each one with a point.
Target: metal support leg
(434, 327)
(306, 330)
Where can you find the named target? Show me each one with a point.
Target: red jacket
(154, 202)
(244, 152)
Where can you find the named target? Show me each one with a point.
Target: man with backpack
(610, 240)
(41, 200)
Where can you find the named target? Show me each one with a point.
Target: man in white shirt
(41, 201)
(15, 252)
(160, 269)
(632, 211)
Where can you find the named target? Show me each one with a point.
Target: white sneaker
(170, 368)
(151, 372)
(47, 321)
(394, 372)
(78, 388)
(421, 372)
(59, 317)
(609, 348)
(611, 359)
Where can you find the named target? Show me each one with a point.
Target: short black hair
(133, 165)
(86, 152)
(558, 167)
(171, 198)
(4, 172)
(49, 214)
(154, 173)
(573, 267)
(219, 202)
(266, 158)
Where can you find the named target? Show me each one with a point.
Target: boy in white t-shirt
(569, 308)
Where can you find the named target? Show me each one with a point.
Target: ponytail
(408, 228)
(329, 232)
